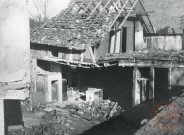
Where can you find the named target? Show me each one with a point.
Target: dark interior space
(116, 83)
(13, 113)
(124, 38)
(161, 84)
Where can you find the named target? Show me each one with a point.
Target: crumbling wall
(14, 41)
(165, 42)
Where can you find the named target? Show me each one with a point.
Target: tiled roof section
(84, 22)
(146, 54)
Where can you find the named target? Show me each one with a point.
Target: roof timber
(83, 22)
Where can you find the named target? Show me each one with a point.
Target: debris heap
(71, 118)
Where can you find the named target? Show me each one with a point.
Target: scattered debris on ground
(173, 125)
(67, 118)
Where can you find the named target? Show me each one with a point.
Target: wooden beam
(116, 4)
(80, 6)
(125, 19)
(82, 57)
(92, 55)
(96, 7)
(117, 16)
(142, 13)
(152, 84)
(2, 125)
(87, 8)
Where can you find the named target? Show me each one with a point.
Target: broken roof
(146, 57)
(86, 22)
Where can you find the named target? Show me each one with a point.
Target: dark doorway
(124, 38)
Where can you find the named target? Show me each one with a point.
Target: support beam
(152, 84)
(2, 125)
(136, 87)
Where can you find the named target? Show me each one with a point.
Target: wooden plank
(130, 39)
(121, 40)
(2, 125)
(136, 87)
(112, 44)
(92, 54)
(118, 41)
(82, 57)
(152, 84)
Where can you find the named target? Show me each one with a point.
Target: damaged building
(111, 45)
(72, 67)
(74, 43)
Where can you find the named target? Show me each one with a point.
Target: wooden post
(118, 41)
(152, 83)
(49, 90)
(144, 84)
(169, 81)
(33, 80)
(92, 54)
(2, 125)
(136, 87)
(70, 55)
(60, 89)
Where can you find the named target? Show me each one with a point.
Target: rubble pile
(174, 125)
(71, 118)
(147, 54)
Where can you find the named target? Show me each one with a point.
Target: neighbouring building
(14, 59)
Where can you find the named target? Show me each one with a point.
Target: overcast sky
(55, 6)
